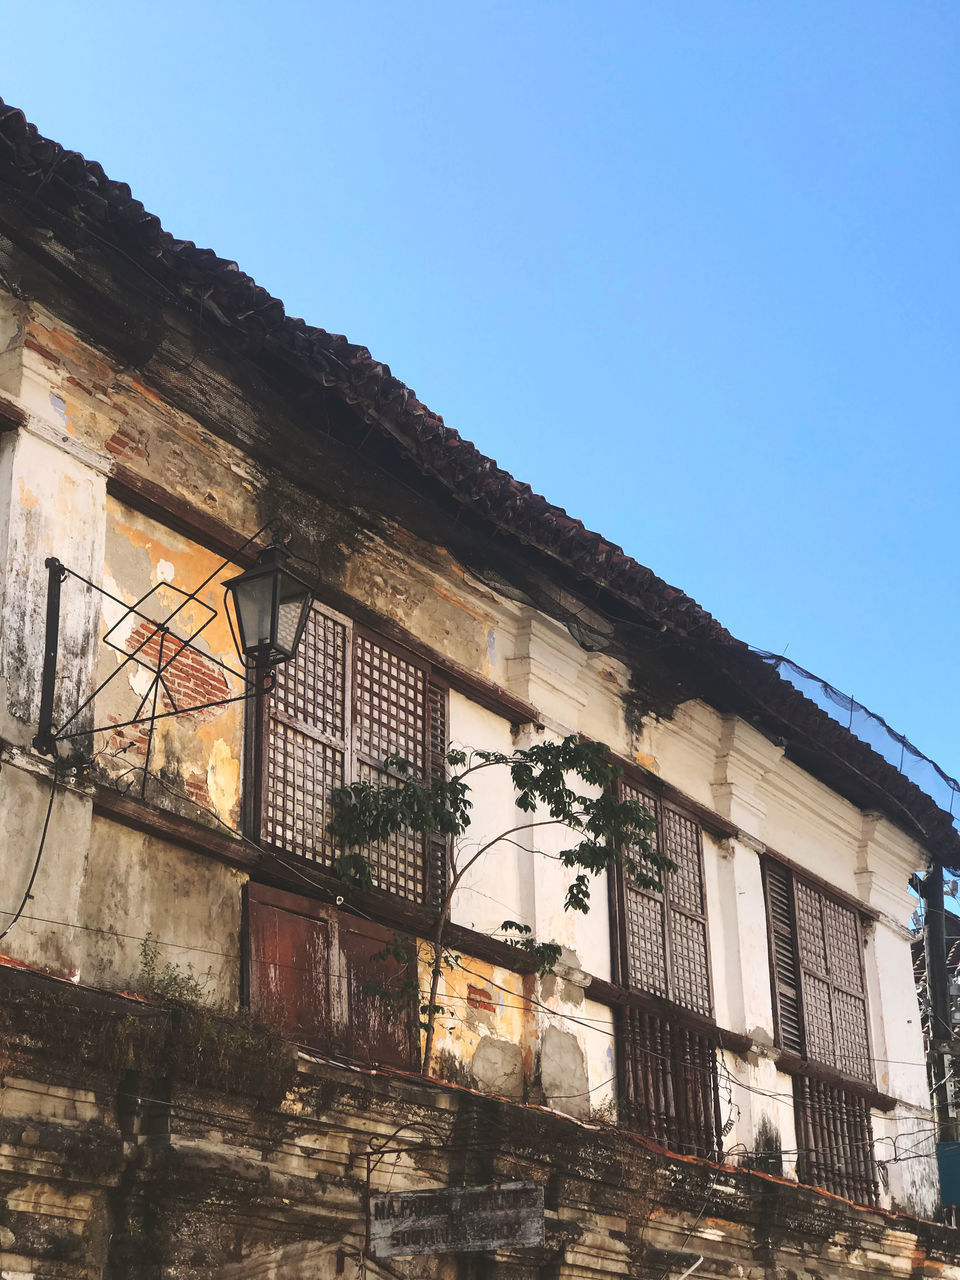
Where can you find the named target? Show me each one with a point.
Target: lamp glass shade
(271, 606)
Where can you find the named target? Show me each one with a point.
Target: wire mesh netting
(873, 730)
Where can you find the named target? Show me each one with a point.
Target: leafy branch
(571, 784)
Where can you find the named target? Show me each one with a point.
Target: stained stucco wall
(101, 889)
(198, 755)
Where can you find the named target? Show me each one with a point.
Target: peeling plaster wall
(189, 905)
(111, 412)
(101, 889)
(484, 1037)
(54, 507)
(578, 1060)
(46, 936)
(198, 756)
(496, 1034)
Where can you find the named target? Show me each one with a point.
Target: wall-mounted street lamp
(272, 606)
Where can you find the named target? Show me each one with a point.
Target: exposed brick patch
(129, 741)
(32, 345)
(81, 386)
(479, 998)
(196, 788)
(129, 441)
(191, 677)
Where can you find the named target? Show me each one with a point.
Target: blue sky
(690, 269)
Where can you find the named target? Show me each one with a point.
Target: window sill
(792, 1064)
(609, 993)
(167, 825)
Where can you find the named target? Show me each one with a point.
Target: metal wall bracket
(45, 741)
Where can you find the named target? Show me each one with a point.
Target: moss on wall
(62, 1026)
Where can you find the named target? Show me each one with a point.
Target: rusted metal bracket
(45, 740)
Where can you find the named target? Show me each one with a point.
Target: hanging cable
(27, 894)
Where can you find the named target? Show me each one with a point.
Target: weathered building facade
(729, 1068)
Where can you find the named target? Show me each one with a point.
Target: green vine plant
(571, 784)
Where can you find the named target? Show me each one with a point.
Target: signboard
(455, 1220)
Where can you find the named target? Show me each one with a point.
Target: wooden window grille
(817, 963)
(835, 1140)
(315, 976)
(344, 702)
(307, 746)
(664, 933)
(669, 1087)
(820, 1007)
(670, 1090)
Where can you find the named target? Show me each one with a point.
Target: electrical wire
(597, 1024)
(232, 1120)
(152, 718)
(724, 1072)
(27, 893)
(590, 1024)
(696, 1222)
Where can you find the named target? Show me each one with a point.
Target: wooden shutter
(644, 921)
(339, 706)
(686, 907)
(780, 916)
(290, 943)
(845, 958)
(314, 978)
(376, 1029)
(818, 972)
(834, 1000)
(815, 982)
(665, 933)
(306, 739)
(390, 717)
(438, 846)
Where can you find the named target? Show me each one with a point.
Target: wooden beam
(176, 513)
(178, 830)
(824, 886)
(12, 416)
(706, 817)
(792, 1064)
(614, 996)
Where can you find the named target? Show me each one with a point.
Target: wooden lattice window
(817, 963)
(343, 703)
(663, 934)
(816, 954)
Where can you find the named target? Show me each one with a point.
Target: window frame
(826, 1070)
(667, 1051)
(256, 735)
(658, 804)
